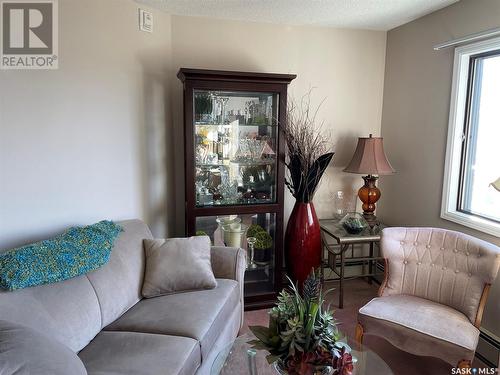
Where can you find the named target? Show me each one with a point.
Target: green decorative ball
(201, 233)
(254, 229)
(264, 240)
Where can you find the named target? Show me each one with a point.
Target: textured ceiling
(357, 14)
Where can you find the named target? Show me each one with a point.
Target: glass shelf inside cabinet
(236, 137)
(255, 233)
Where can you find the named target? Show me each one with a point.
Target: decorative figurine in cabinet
(234, 159)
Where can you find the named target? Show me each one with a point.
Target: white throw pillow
(177, 265)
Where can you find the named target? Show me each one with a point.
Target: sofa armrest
(230, 263)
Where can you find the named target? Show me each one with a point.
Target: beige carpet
(357, 292)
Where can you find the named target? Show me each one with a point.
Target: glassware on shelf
(223, 220)
(203, 107)
(255, 148)
(226, 144)
(263, 176)
(229, 192)
(220, 103)
(249, 195)
(257, 111)
(213, 97)
(242, 153)
(205, 198)
(234, 234)
(253, 151)
(238, 141)
(211, 159)
(251, 252)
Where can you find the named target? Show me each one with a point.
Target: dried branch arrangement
(308, 148)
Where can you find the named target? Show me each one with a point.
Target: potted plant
(307, 157)
(302, 337)
(263, 243)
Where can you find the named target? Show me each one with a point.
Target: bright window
(470, 195)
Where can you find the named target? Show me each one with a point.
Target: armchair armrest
(230, 263)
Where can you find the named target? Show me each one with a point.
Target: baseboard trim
(493, 341)
(486, 361)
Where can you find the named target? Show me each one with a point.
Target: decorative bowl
(354, 223)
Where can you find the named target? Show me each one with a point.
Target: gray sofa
(102, 317)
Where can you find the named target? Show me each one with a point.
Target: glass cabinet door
(236, 137)
(256, 234)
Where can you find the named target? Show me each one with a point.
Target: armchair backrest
(443, 266)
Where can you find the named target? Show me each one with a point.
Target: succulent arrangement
(263, 238)
(302, 337)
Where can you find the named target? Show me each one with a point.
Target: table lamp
(369, 158)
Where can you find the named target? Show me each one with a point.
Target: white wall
(86, 142)
(96, 138)
(345, 66)
(415, 120)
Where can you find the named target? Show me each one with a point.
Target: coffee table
(234, 360)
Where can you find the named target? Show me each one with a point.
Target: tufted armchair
(433, 296)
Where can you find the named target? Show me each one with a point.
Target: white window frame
(455, 136)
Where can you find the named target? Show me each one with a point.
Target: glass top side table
(342, 240)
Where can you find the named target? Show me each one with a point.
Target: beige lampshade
(369, 158)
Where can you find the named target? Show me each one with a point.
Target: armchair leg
(464, 363)
(359, 334)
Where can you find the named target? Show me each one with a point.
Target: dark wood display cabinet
(234, 165)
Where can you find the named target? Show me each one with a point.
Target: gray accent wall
(415, 120)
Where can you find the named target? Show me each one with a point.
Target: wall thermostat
(145, 21)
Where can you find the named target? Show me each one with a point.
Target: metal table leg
(370, 264)
(343, 249)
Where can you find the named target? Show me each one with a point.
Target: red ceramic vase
(302, 242)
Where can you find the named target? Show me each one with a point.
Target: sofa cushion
(134, 353)
(177, 265)
(67, 311)
(421, 327)
(118, 284)
(200, 315)
(24, 351)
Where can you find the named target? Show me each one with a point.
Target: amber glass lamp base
(369, 194)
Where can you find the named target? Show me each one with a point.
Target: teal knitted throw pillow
(75, 252)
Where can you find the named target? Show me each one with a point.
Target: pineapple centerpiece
(302, 337)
